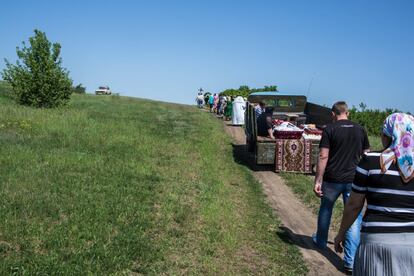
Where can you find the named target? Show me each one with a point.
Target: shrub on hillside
(79, 89)
(38, 78)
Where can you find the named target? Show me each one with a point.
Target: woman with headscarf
(222, 102)
(211, 102)
(219, 102)
(229, 109)
(386, 180)
(216, 100)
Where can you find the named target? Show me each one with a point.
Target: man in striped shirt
(341, 147)
(260, 109)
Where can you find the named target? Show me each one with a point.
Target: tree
(38, 78)
(245, 91)
(79, 89)
(362, 106)
(244, 88)
(272, 88)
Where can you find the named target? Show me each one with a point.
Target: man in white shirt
(200, 100)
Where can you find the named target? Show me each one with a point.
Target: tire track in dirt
(297, 221)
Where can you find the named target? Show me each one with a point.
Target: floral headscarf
(400, 127)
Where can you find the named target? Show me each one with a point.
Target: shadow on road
(245, 158)
(303, 241)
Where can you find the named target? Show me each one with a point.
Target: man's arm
(320, 170)
(269, 127)
(270, 131)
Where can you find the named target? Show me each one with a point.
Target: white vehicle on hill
(103, 90)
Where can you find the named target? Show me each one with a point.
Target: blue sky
(358, 51)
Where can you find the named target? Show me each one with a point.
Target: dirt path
(297, 221)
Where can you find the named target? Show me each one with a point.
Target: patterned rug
(293, 155)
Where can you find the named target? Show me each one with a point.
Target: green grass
(302, 186)
(114, 185)
(375, 143)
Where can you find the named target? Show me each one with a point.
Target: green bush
(79, 89)
(245, 91)
(371, 119)
(38, 78)
(234, 93)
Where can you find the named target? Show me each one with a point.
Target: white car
(103, 90)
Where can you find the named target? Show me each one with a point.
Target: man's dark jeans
(331, 192)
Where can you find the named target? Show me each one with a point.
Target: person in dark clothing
(264, 124)
(260, 108)
(206, 97)
(342, 145)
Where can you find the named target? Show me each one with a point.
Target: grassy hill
(115, 185)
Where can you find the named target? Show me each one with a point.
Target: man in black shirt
(264, 123)
(342, 145)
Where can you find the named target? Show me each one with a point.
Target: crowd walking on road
(226, 107)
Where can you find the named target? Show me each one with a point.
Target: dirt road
(297, 221)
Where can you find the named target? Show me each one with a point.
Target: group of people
(382, 241)
(221, 105)
(218, 104)
(227, 107)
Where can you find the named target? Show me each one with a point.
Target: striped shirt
(390, 202)
(258, 110)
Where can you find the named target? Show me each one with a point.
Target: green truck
(291, 108)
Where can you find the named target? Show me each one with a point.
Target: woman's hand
(338, 243)
(317, 189)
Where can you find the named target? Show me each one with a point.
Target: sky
(357, 51)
